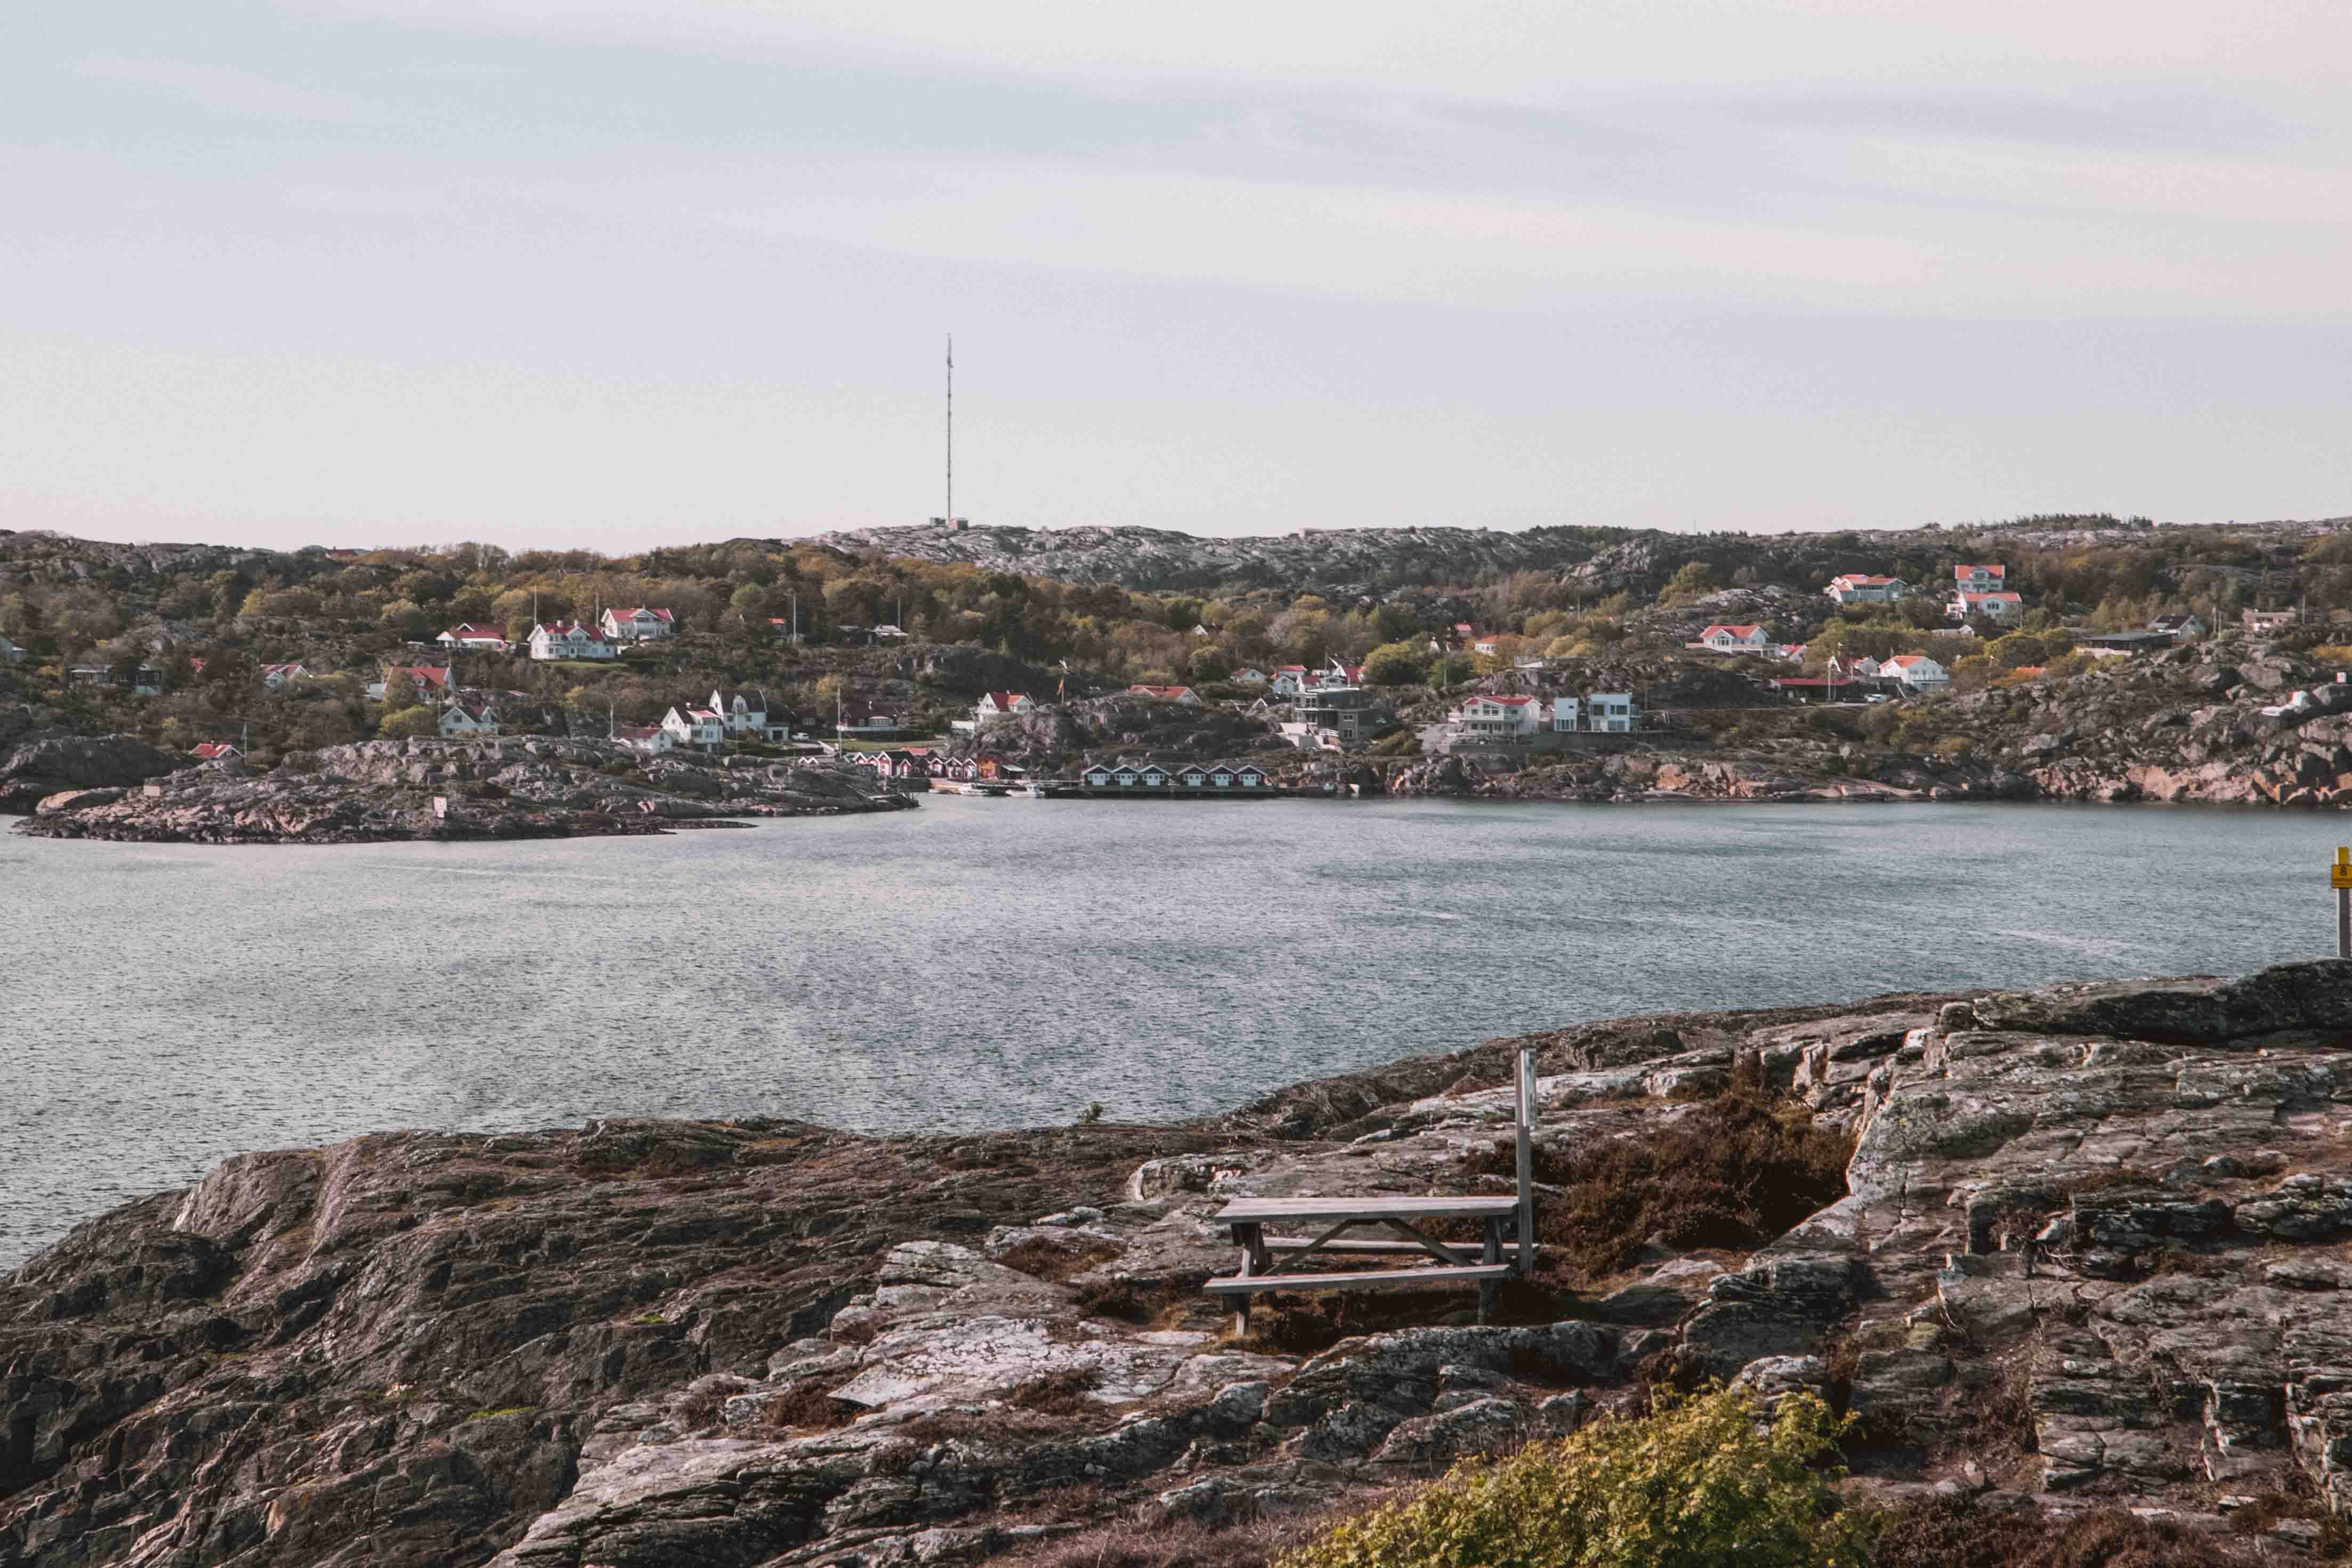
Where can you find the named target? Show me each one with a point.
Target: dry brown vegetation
(1130, 1544)
(1054, 1261)
(1733, 1171)
(1950, 1533)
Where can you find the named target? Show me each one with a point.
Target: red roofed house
(430, 679)
(1854, 588)
(639, 625)
(1979, 579)
(1999, 604)
(568, 639)
(468, 635)
(1166, 694)
(215, 751)
(1735, 639)
(1290, 680)
(273, 676)
(650, 739)
(692, 726)
(1499, 718)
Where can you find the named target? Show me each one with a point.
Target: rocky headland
(2094, 1248)
(379, 791)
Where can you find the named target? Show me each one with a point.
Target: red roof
(1856, 579)
(1169, 693)
(564, 628)
(640, 610)
(1505, 701)
(1964, 573)
(469, 631)
(1991, 593)
(1005, 699)
(211, 749)
(1903, 660)
(1748, 631)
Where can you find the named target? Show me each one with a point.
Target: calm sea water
(998, 962)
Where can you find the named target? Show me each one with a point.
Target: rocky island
(2075, 1249)
(379, 791)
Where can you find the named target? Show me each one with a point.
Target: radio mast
(950, 520)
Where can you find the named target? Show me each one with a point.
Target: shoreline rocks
(383, 790)
(2090, 1254)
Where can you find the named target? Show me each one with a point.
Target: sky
(615, 273)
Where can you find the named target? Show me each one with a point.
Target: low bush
(1132, 1543)
(1707, 1482)
(1055, 1261)
(1734, 1171)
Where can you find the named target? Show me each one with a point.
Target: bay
(982, 964)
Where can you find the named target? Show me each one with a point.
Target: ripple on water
(999, 962)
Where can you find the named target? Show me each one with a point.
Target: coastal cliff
(2090, 1251)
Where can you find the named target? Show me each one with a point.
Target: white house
(2179, 628)
(468, 635)
(1564, 711)
(568, 640)
(651, 739)
(642, 623)
(2266, 620)
(1609, 712)
(691, 726)
(867, 724)
(1249, 675)
(1979, 579)
(460, 719)
(1854, 588)
(275, 676)
(1916, 670)
(1290, 680)
(215, 751)
(997, 704)
(1997, 604)
(743, 712)
(1736, 639)
(1500, 718)
(1183, 694)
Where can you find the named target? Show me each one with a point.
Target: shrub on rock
(1708, 1482)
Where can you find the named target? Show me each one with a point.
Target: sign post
(2339, 877)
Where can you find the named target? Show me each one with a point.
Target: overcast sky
(617, 272)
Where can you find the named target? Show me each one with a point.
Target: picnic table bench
(1271, 1263)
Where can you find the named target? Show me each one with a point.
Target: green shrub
(1699, 1483)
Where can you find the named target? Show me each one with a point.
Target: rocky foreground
(2096, 1248)
(378, 791)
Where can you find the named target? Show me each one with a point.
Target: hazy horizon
(606, 274)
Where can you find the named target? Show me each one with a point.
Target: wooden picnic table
(1270, 1263)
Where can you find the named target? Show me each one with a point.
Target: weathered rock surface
(2097, 1245)
(36, 763)
(506, 789)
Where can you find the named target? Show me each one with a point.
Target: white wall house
(490, 640)
(651, 739)
(461, 721)
(996, 704)
(1735, 639)
(1979, 579)
(1854, 588)
(1249, 675)
(641, 623)
(1290, 680)
(1609, 712)
(691, 726)
(1499, 718)
(1565, 711)
(275, 676)
(1998, 605)
(551, 640)
(1183, 694)
(743, 712)
(1916, 670)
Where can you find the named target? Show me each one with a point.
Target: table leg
(1253, 1248)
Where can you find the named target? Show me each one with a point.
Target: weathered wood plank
(1375, 1208)
(1467, 1250)
(1371, 1279)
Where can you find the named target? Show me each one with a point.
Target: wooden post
(1491, 1253)
(2342, 877)
(1526, 1139)
(1247, 1235)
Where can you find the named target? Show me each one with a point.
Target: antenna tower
(951, 429)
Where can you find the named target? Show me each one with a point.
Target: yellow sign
(2340, 874)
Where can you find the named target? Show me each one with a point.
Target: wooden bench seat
(1371, 1279)
(1259, 1211)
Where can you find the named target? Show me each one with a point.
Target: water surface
(999, 962)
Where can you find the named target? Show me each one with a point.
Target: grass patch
(811, 1407)
(494, 1415)
(1062, 1392)
(1053, 1261)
